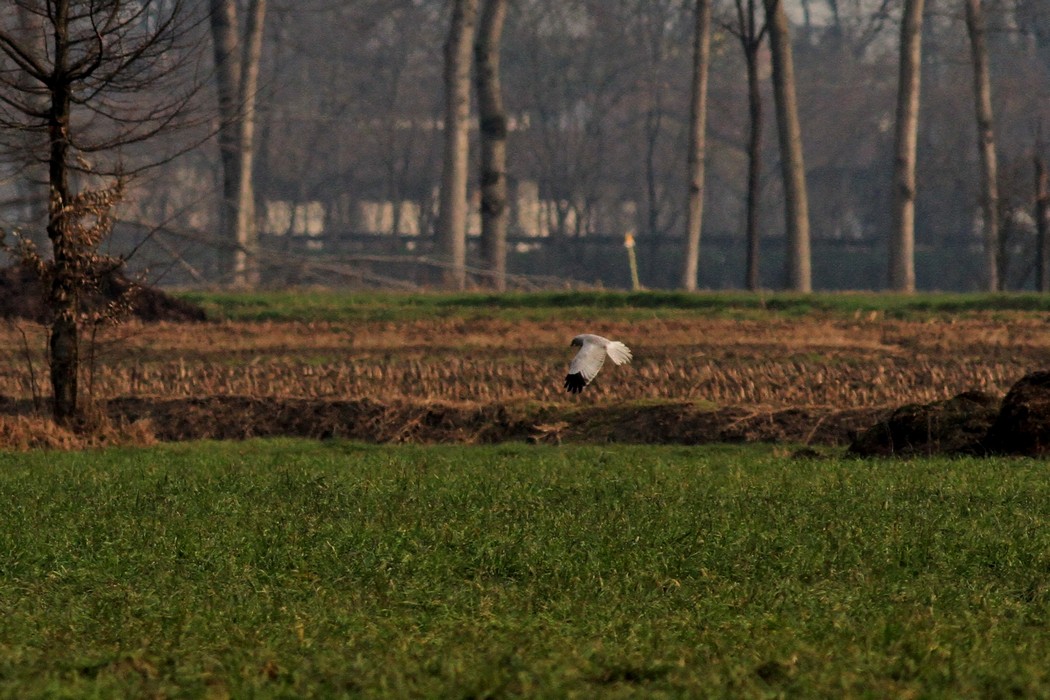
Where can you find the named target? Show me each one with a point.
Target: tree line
(752, 26)
(598, 100)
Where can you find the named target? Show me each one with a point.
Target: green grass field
(320, 305)
(327, 569)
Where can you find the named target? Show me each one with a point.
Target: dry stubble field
(694, 378)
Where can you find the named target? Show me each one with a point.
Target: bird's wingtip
(619, 353)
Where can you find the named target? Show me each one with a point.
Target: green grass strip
(381, 306)
(302, 569)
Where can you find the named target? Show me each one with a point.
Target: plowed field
(478, 379)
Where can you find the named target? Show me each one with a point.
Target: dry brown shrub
(95, 429)
(20, 433)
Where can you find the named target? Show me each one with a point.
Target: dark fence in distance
(837, 264)
(343, 258)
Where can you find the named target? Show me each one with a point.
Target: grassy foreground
(293, 568)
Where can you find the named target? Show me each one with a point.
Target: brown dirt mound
(1023, 425)
(955, 426)
(973, 423)
(21, 296)
(240, 417)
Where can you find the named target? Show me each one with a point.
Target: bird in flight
(591, 357)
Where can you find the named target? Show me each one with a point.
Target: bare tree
(982, 88)
(237, 78)
(751, 33)
(902, 245)
(452, 216)
(697, 141)
(493, 126)
(100, 78)
(792, 164)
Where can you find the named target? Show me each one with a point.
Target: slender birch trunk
(697, 142)
(246, 266)
(227, 77)
(982, 89)
(237, 80)
(754, 169)
(902, 244)
(493, 127)
(792, 163)
(452, 216)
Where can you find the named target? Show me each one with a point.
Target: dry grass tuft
(95, 429)
(20, 433)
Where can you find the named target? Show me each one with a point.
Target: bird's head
(576, 342)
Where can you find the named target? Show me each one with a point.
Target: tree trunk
(1042, 223)
(902, 245)
(247, 265)
(754, 167)
(452, 216)
(227, 76)
(982, 88)
(792, 164)
(697, 142)
(64, 346)
(237, 77)
(493, 126)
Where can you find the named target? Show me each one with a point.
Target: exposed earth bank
(240, 417)
(972, 423)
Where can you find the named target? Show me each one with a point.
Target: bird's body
(591, 357)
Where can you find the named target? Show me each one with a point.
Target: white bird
(591, 357)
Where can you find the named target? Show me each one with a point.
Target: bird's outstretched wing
(618, 352)
(585, 366)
